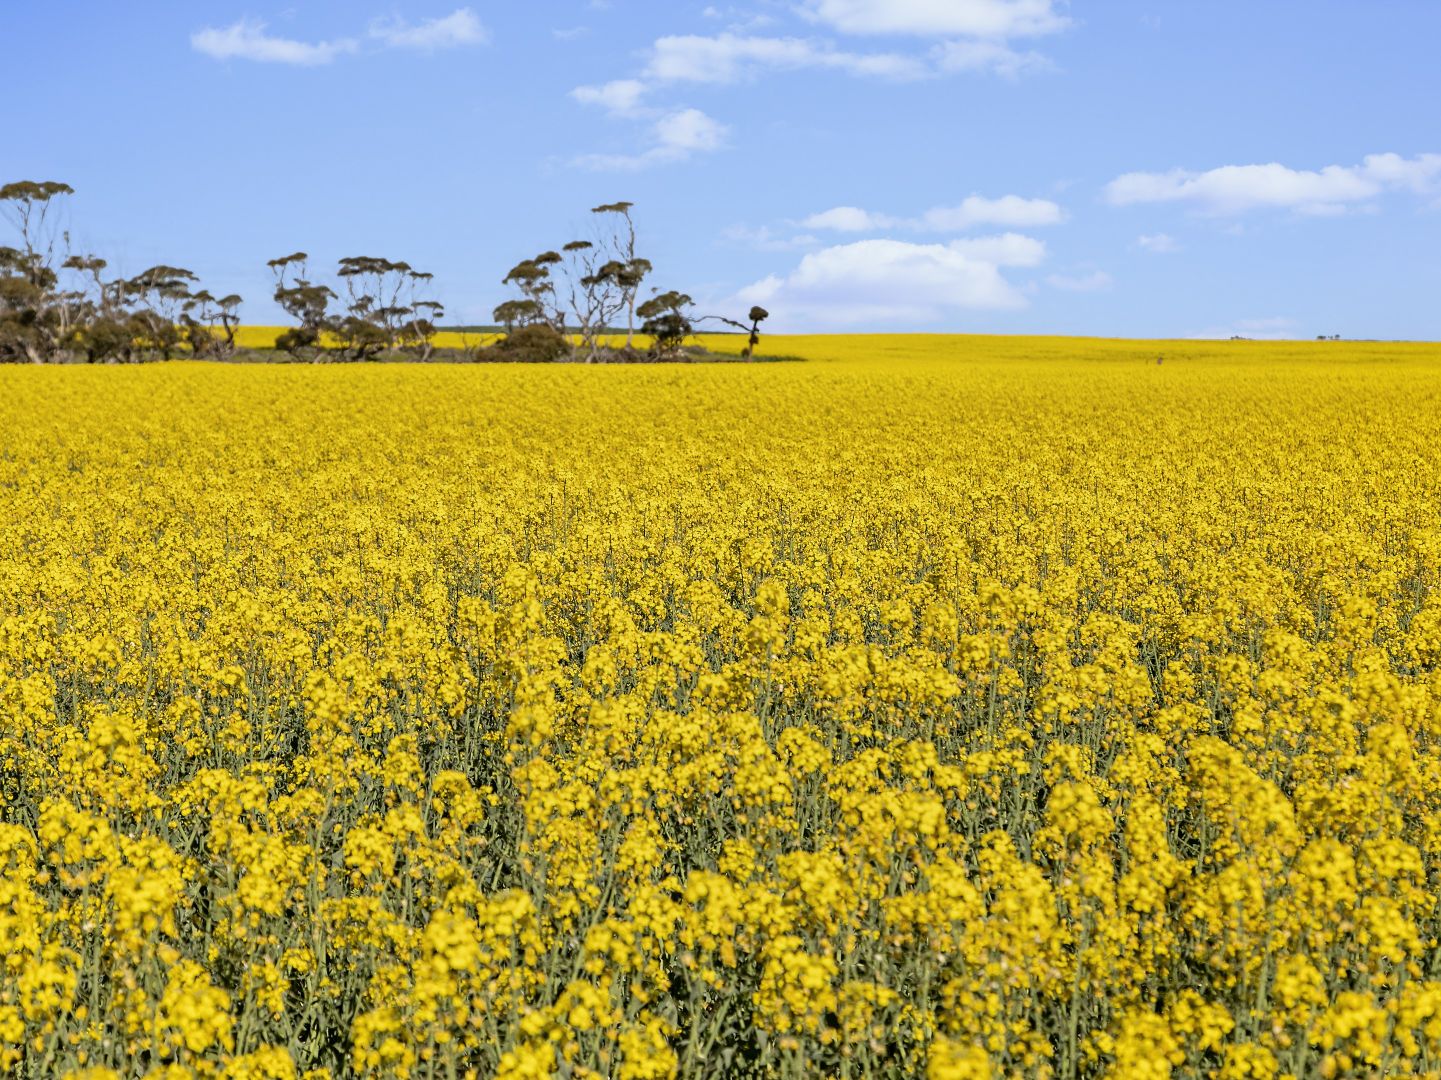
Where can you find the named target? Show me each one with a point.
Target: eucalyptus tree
(374, 314)
(209, 324)
(594, 293)
(33, 319)
(628, 270)
(157, 298)
(756, 316)
(539, 298)
(667, 321)
(305, 301)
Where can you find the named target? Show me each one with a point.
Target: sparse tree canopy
(157, 297)
(34, 322)
(305, 302)
(538, 303)
(513, 313)
(58, 304)
(667, 321)
(627, 269)
(209, 324)
(30, 191)
(385, 308)
(757, 315)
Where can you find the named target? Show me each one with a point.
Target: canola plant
(947, 707)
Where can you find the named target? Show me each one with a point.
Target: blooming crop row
(950, 706)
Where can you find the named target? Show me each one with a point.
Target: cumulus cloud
(460, 27)
(1421, 174)
(248, 40)
(1009, 210)
(969, 18)
(892, 283)
(1236, 189)
(727, 58)
(676, 136)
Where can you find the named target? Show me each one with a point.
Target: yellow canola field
(263, 337)
(947, 706)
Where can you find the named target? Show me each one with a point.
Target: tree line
(57, 305)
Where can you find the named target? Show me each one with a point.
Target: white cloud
(1421, 174)
(1235, 189)
(727, 58)
(460, 27)
(677, 136)
(1095, 281)
(738, 54)
(690, 130)
(622, 96)
(1157, 243)
(1008, 210)
(247, 40)
(885, 283)
(738, 19)
(989, 56)
(848, 219)
(971, 18)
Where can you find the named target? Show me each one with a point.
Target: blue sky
(1109, 167)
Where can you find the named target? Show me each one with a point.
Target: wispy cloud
(971, 37)
(1157, 243)
(1237, 189)
(250, 39)
(460, 27)
(739, 20)
(621, 97)
(764, 238)
(989, 56)
(975, 210)
(728, 58)
(970, 18)
(848, 219)
(676, 136)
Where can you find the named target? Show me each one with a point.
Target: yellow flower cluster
(941, 707)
